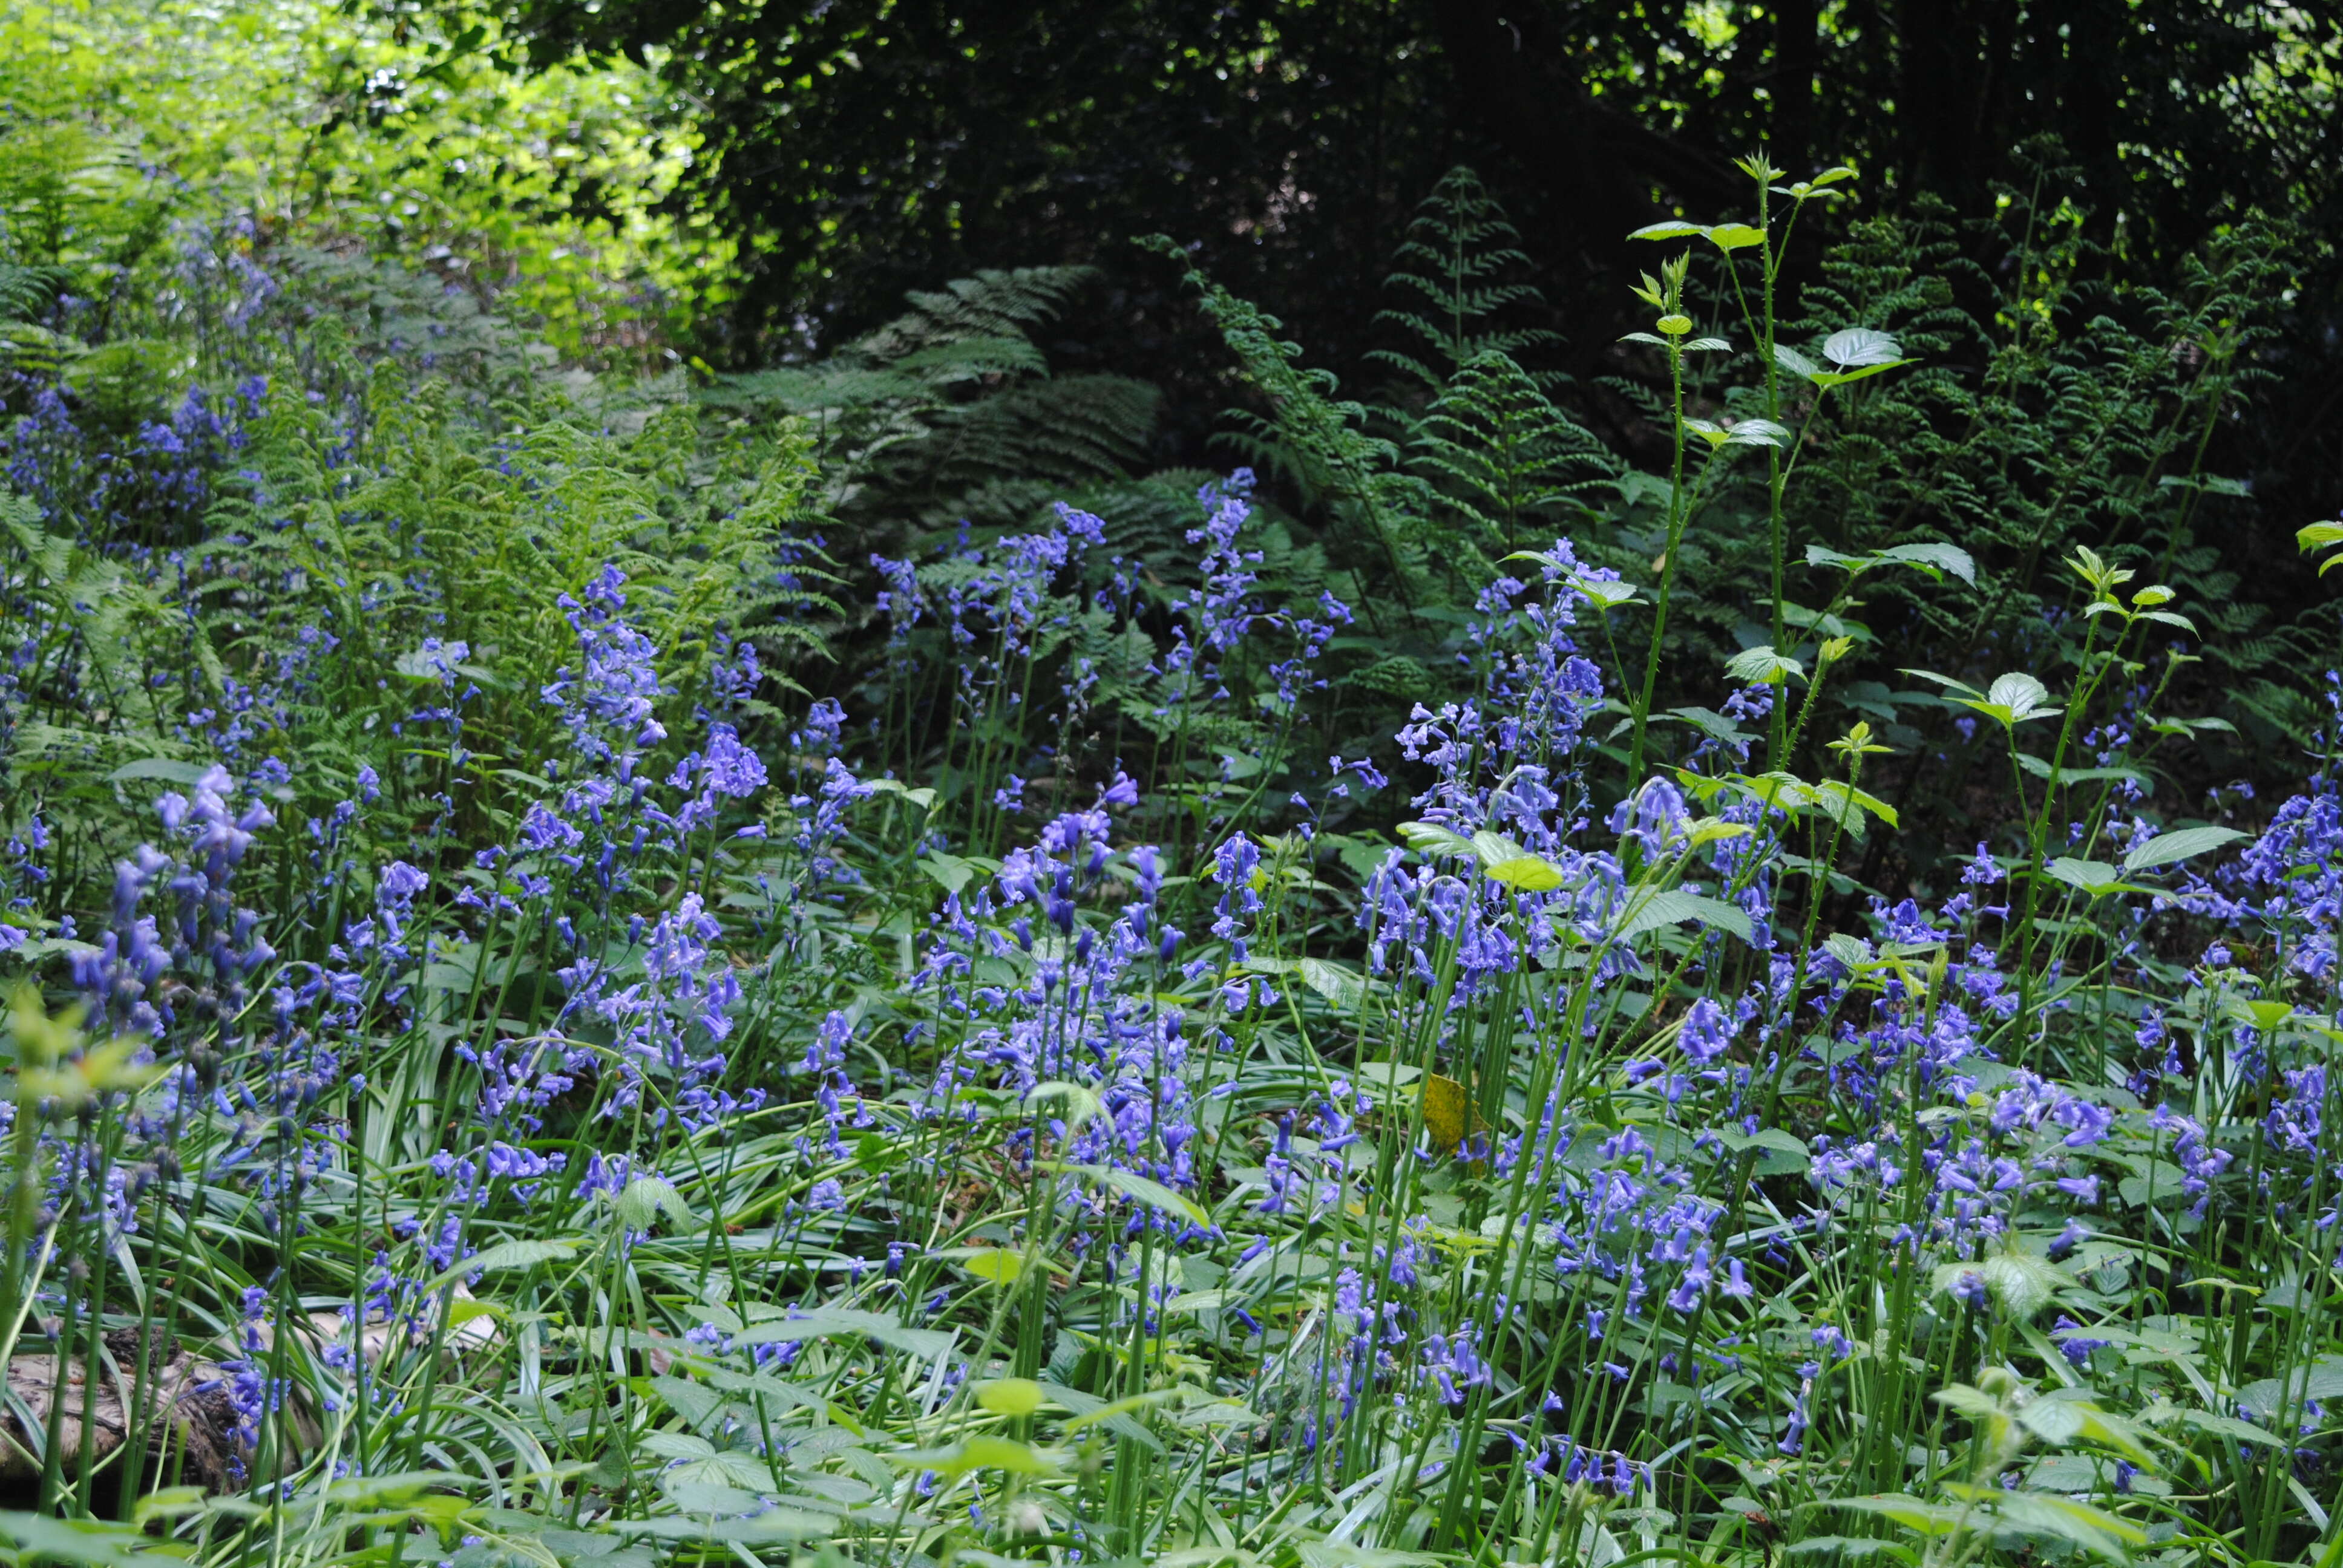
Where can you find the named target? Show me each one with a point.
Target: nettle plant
(721, 1126)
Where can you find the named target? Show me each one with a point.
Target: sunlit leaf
(1857, 345)
(1010, 1395)
(1528, 874)
(995, 1265)
(979, 1453)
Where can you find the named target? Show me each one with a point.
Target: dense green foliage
(832, 963)
(324, 138)
(859, 149)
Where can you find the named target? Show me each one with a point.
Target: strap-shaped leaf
(1154, 1195)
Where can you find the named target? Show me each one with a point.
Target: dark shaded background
(863, 147)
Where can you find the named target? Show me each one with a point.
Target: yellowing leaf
(1446, 1107)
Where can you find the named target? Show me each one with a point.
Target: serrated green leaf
(2018, 692)
(1674, 906)
(1429, 839)
(2166, 848)
(1854, 347)
(1609, 593)
(1947, 557)
(1762, 666)
(2091, 876)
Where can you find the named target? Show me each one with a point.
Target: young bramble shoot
(2013, 699)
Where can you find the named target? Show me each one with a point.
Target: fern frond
(994, 304)
(1458, 248)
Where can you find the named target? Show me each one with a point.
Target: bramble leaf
(2167, 848)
